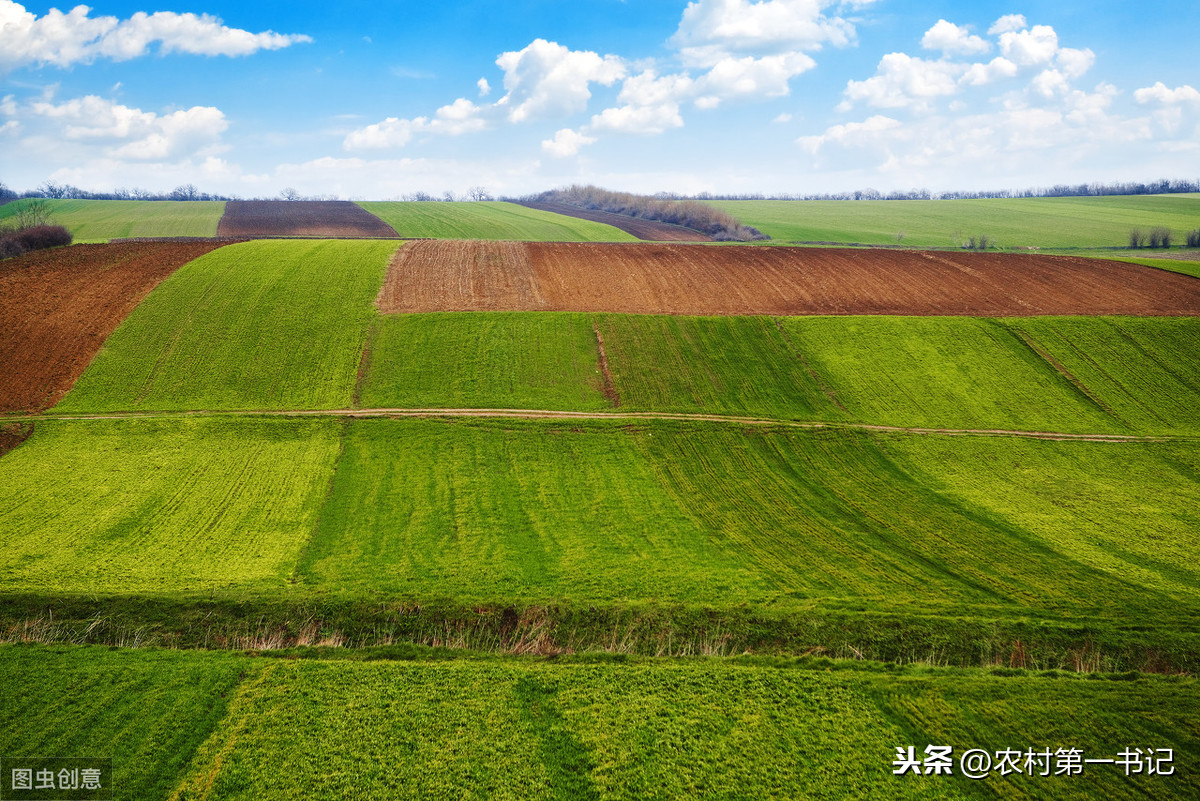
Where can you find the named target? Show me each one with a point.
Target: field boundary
(558, 414)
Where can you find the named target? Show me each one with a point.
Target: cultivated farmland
(698, 279)
(194, 725)
(1051, 222)
(646, 230)
(491, 220)
(101, 220)
(57, 308)
(309, 218)
(265, 324)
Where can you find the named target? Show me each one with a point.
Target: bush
(1137, 238)
(1160, 237)
(39, 237)
(1193, 238)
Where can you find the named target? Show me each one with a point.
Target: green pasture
(1013, 223)
(489, 220)
(257, 325)
(193, 725)
(101, 220)
(158, 507)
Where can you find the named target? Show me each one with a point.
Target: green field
(1013, 223)
(217, 725)
(158, 507)
(101, 220)
(1062, 374)
(257, 325)
(489, 220)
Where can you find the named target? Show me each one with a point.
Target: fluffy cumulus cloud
(905, 81)
(1159, 93)
(953, 40)
(565, 143)
(61, 40)
(545, 80)
(117, 131)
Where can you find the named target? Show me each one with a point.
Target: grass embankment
(258, 325)
(489, 220)
(101, 220)
(191, 725)
(1069, 222)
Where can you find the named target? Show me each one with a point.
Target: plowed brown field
(335, 219)
(648, 230)
(700, 279)
(58, 306)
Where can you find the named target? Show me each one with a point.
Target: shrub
(1160, 237)
(1193, 238)
(39, 237)
(1137, 238)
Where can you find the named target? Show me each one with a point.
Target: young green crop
(158, 507)
(259, 325)
(1068, 222)
(489, 220)
(101, 220)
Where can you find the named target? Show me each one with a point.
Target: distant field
(266, 324)
(489, 220)
(194, 725)
(143, 506)
(101, 220)
(1012, 222)
(1186, 266)
(308, 218)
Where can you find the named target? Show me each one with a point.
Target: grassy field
(210, 725)
(258, 325)
(1064, 374)
(159, 507)
(1083, 222)
(101, 220)
(1186, 266)
(489, 220)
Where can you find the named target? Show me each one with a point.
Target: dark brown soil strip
(58, 306)
(610, 389)
(333, 219)
(646, 230)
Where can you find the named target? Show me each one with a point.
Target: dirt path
(552, 414)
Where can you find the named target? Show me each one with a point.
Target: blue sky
(379, 100)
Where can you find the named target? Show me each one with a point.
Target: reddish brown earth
(58, 306)
(648, 230)
(334, 219)
(702, 279)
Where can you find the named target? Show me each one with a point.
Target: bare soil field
(334, 219)
(704, 280)
(648, 230)
(58, 306)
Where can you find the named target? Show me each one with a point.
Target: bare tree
(479, 193)
(289, 194)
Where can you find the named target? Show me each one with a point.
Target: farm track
(57, 307)
(702, 280)
(554, 414)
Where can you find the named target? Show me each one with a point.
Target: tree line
(1161, 187)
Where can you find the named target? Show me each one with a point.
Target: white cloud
(1159, 93)
(713, 30)
(1028, 48)
(547, 79)
(782, 118)
(637, 119)
(129, 133)
(1007, 24)
(748, 77)
(62, 39)
(982, 74)
(953, 40)
(902, 81)
(543, 81)
(1074, 63)
(566, 143)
